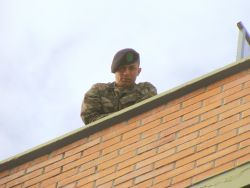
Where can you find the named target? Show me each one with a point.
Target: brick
(99, 134)
(115, 175)
(161, 160)
(192, 95)
(185, 183)
(133, 174)
(222, 95)
(216, 140)
(59, 177)
(21, 167)
(96, 175)
(180, 126)
(197, 141)
(235, 110)
(244, 128)
(245, 143)
(167, 110)
(247, 84)
(76, 177)
(183, 111)
(191, 173)
(204, 109)
(81, 161)
(128, 183)
(121, 144)
(246, 113)
(111, 142)
(147, 183)
(40, 159)
(42, 177)
(4, 173)
(144, 115)
(102, 145)
(153, 173)
(123, 129)
(33, 186)
(165, 183)
(243, 160)
(234, 140)
(62, 162)
(232, 156)
(141, 129)
(197, 126)
(51, 186)
(137, 158)
(201, 97)
(24, 178)
(218, 154)
(72, 185)
(172, 173)
(178, 141)
(106, 185)
(45, 163)
(218, 124)
(222, 82)
(239, 81)
(107, 157)
(88, 185)
(69, 147)
(138, 144)
(196, 156)
(82, 147)
(246, 99)
(220, 110)
(212, 172)
(117, 160)
(237, 95)
(162, 127)
(12, 177)
(234, 124)
(157, 143)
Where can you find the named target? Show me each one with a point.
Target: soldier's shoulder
(145, 85)
(101, 86)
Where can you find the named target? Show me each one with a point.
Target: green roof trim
(125, 114)
(237, 177)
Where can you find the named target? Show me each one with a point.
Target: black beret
(124, 57)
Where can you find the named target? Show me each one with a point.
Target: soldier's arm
(91, 106)
(148, 90)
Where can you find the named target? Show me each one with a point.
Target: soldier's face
(125, 75)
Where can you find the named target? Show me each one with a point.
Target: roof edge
(236, 177)
(124, 114)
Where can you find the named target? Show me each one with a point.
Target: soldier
(106, 98)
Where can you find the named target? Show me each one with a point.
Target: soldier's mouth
(126, 80)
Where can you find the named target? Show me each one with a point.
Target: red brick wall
(177, 144)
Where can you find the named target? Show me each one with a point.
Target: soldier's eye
(131, 68)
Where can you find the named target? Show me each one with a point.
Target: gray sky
(52, 51)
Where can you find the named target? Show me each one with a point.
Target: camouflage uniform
(103, 99)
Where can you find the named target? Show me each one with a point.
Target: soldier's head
(126, 67)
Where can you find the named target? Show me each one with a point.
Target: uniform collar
(123, 88)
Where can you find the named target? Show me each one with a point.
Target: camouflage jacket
(103, 99)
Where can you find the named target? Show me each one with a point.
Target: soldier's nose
(126, 71)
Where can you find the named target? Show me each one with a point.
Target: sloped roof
(125, 114)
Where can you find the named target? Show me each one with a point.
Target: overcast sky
(52, 51)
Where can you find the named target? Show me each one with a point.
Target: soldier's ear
(139, 71)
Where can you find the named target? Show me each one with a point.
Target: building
(195, 135)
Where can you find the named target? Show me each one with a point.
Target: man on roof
(106, 98)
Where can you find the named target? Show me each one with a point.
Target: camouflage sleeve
(91, 107)
(147, 90)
